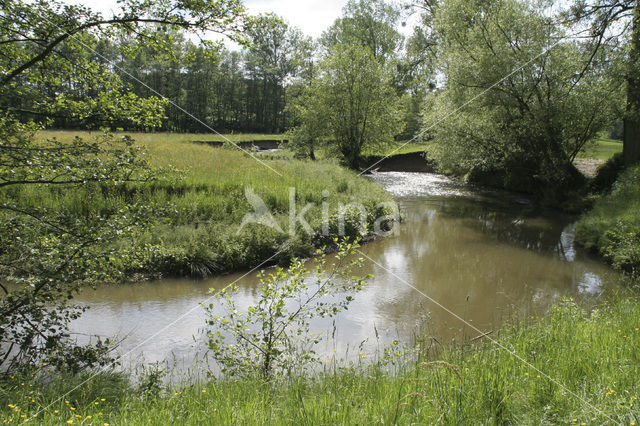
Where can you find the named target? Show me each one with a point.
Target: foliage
(47, 254)
(608, 173)
(517, 105)
(273, 336)
(612, 228)
(351, 103)
(369, 24)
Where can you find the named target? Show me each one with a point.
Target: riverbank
(612, 227)
(201, 235)
(583, 369)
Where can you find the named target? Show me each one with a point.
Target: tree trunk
(632, 119)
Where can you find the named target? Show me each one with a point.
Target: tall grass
(585, 369)
(201, 238)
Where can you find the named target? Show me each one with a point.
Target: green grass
(201, 238)
(603, 149)
(585, 369)
(612, 227)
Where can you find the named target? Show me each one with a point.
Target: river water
(483, 255)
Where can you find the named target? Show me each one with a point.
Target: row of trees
(254, 90)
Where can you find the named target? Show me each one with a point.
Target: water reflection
(484, 255)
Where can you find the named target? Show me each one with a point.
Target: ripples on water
(483, 254)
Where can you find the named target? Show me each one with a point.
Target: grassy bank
(592, 360)
(200, 237)
(612, 227)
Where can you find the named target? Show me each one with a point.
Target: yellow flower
(102, 399)
(72, 409)
(55, 411)
(70, 422)
(96, 403)
(204, 391)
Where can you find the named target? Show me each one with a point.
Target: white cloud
(311, 16)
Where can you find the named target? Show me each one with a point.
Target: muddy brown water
(484, 255)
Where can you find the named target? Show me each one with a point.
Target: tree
(608, 20)
(368, 23)
(518, 104)
(48, 255)
(351, 103)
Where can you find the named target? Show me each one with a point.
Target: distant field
(603, 149)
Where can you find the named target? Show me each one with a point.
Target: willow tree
(352, 105)
(518, 103)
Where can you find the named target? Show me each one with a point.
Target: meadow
(602, 149)
(201, 235)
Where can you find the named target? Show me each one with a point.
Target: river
(484, 255)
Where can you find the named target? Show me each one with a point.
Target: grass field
(602, 149)
(201, 237)
(584, 369)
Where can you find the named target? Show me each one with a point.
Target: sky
(311, 16)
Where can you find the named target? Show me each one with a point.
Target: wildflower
(70, 422)
(55, 411)
(102, 399)
(526, 374)
(72, 408)
(12, 406)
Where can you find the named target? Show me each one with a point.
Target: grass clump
(612, 227)
(584, 369)
(201, 234)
